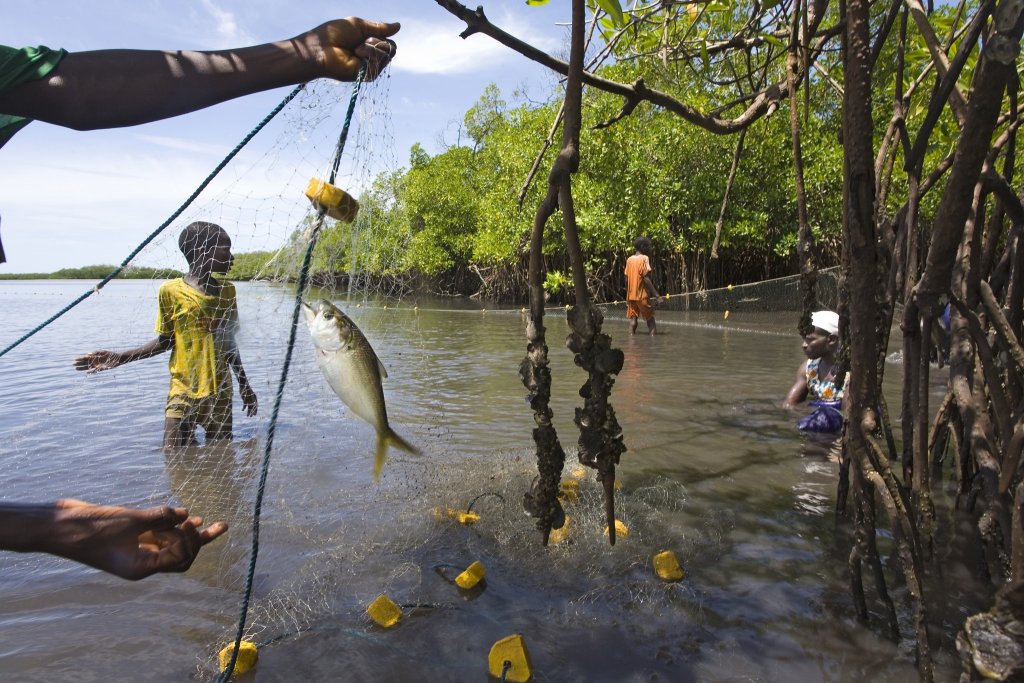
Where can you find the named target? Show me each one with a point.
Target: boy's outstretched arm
(112, 88)
(105, 360)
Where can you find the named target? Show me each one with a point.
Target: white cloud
(184, 145)
(228, 33)
(435, 47)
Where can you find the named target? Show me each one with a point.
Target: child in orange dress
(639, 288)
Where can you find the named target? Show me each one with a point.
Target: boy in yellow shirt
(196, 322)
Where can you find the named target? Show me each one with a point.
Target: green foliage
(441, 210)
(612, 7)
(556, 282)
(250, 266)
(418, 157)
(651, 172)
(614, 11)
(97, 272)
(484, 116)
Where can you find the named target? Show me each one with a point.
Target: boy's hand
(249, 401)
(98, 360)
(341, 45)
(130, 543)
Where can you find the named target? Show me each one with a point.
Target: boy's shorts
(212, 413)
(639, 308)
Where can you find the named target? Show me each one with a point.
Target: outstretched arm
(112, 88)
(130, 543)
(105, 360)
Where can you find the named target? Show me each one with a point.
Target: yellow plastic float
(666, 566)
(570, 490)
(510, 650)
(461, 516)
(247, 657)
(559, 535)
(473, 575)
(621, 530)
(384, 611)
(333, 201)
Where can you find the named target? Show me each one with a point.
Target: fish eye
(328, 316)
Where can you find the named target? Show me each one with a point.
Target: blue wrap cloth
(826, 417)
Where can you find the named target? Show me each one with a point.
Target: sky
(70, 198)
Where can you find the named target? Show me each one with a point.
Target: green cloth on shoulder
(17, 66)
(21, 65)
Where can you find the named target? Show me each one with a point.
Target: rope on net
(163, 226)
(300, 289)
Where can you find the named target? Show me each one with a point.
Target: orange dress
(638, 301)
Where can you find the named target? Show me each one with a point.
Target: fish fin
(385, 440)
(376, 359)
(381, 456)
(398, 442)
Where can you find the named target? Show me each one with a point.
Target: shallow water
(715, 471)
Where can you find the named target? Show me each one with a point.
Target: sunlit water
(715, 471)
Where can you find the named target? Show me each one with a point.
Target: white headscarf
(826, 320)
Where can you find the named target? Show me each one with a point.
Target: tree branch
(477, 22)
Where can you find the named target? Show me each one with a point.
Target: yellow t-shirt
(203, 327)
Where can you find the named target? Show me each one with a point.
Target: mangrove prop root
(541, 502)
(1017, 553)
(868, 541)
(991, 644)
(911, 574)
(904, 522)
(600, 442)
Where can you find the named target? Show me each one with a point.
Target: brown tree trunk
(860, 244)
(996, 64)
(600, 441)
(805, 238)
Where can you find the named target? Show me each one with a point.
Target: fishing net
(330, 540)
(112, 421)
(777, 294)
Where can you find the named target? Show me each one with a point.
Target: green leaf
(613, 9)
(536, 3)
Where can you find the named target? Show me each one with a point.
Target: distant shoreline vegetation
(95, 273)
(246, 267)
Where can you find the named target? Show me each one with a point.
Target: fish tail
(383, 441)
